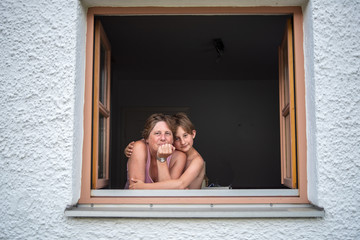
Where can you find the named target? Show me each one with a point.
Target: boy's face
(183, 140)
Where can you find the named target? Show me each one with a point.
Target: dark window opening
(170, 64)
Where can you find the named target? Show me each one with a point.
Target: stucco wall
(41, 76)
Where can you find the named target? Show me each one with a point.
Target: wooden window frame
(287, 109)
(99, 108)
(296, 12)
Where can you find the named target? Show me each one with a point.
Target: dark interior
(177, 63)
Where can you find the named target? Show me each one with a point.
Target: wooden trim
(99, 108)
(101, 183)
(192, 200)
(102, 109)
(287, 108)
(281, 112)
(192, 10)
(95, 130)
(290, 50)
(204, 192)
(299, 98)
(86, 154)
(300, 103)
(108, 80)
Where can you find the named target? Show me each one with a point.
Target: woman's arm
(190, 174)
(175, 169)
(137, 161)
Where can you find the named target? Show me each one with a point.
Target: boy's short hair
(182, 120)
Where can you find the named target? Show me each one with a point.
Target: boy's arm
(129, 149)
(183, 182)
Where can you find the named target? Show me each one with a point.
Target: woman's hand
(165, 150)
(129, 149)
(136, 184)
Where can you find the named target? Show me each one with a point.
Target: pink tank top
(148, 178)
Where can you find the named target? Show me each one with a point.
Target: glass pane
(286, 76)
(287, 147)
(102, 147)
(102, 82)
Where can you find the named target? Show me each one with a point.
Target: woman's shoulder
(140, 144)
(139, 150)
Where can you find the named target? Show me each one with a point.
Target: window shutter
(287, 109)
(101, 109)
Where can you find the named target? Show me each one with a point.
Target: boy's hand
(129, 149)
(136, 184)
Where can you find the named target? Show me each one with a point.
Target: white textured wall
(334, 106)
(41, 82)
(41, 76)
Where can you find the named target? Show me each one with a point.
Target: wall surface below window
(41, 75)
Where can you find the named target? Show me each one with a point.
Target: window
(297, 161)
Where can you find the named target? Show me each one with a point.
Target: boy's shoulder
(178, 153)
(195, 156)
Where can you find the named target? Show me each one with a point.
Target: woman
(154, 159)
(195, 167)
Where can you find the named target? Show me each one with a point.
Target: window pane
(288, 146)
(102, 82)
(102, 147)
(286, 77)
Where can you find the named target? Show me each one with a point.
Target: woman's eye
(168, 133)
(157, 133)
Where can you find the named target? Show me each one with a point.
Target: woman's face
(160, 135)
(183, 140)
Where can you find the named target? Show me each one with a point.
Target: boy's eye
(185, 135)
(177, 139)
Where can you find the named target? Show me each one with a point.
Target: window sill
(196, 211)
(208, 192)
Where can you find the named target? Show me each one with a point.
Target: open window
(232, 97)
